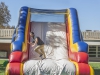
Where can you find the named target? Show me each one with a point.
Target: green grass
(96, 67)
(3, 64)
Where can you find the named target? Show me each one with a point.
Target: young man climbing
(40, 45)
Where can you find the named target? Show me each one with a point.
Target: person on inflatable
(40, 45)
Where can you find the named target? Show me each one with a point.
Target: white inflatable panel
(56, 62)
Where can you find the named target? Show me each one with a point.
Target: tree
(4, 15)
(12, 27)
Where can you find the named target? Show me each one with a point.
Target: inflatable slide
(66, 52)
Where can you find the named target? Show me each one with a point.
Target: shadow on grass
(97, 71)
(96, 67)
(3, 66)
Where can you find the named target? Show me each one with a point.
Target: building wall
(5, 40)
(89, 34)
(4, 50)
(92, 38)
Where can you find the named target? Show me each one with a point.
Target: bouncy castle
(65, 50)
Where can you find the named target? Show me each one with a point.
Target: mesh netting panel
(48, 17)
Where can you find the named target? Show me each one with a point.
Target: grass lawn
(96, 67)
(3, 66)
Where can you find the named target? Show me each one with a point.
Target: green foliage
(4, 15)
(5, 63)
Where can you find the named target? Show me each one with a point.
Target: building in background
(5, 41)
(92, 38)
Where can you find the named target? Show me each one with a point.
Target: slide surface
(66, 52)
(56, 62)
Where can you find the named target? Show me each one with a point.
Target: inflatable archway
(69, 53)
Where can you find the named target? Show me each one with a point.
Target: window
(98, 51)
(3, 54)
(92, 51)
(92, 47)
(98, 48)
(99, 54)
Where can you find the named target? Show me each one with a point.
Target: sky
(88, 10)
